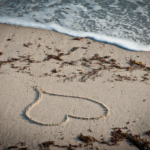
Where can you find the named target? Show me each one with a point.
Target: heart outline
(40, 91)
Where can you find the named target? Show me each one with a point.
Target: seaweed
(70, 78)
(58, 50)
(145, 78)
(78, 38)
(87, 139)
(27, 45)
(72, 50)
(147, 133)
(54, 71)
(135, 64)
(88, 42)
(113, 60)
(23, 148)
(90, 74)
(12, 147)
(39, 45)
(84, 47)
(117, 136)
(53, 57)
(46, 144)
(121, 78)
(104, 63)
(136, 140)
(48, 47)
(70, 147)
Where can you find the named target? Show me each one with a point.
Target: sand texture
(97, 87)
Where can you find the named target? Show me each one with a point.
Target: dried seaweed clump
(121, 78)
(1, 53)
(17, 147)
(136, 140)
(87, 139)
(135, 64)
(27, 45)
(78, 38)
(117, 136)
(46, 145)
(72, 50)
(54, 71)
(147, 133)
(53, 57)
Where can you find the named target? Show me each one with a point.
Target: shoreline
(120, 42)
(72, 66)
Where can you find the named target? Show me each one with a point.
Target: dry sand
(24, 64)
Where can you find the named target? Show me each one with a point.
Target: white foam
(26, 22)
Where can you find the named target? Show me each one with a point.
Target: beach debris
(113, 60)
(53, 57)
(90, 74)
(90, 130)
(39, 45)
(46, 145)
(92, 66)
(145, 78)
(136, 140)
(58, 50)
(78, 38)
(68, 63)
(85, 59)
(12, 147)
(135, 64)
(117, 136)
(16, 147)
(9, 60)
(54, 71)
(84, 47)
(121, 78)
(27, 45)
(96, 148)
(23, 148)
(72, 50)
(1, 53)
(87, 139)
(8, 39)
(13, 66)
(70, 147)
(147, 133)
(48, 47)
(70, 78)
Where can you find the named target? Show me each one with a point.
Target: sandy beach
(82, 78)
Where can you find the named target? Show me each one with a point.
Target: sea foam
(125, 24)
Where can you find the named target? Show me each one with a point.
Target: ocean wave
(125, 24)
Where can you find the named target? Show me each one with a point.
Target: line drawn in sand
(40, 91)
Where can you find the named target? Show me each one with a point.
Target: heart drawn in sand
(40, 91)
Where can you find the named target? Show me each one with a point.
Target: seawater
(125, 23)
